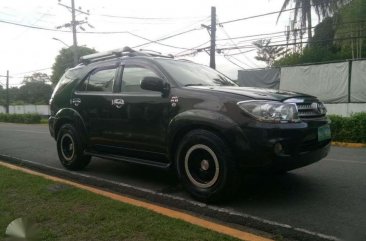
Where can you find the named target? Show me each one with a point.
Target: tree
(35, 89)
(37, 77)
(65, 60)
(352, 27)
(268, 53)
(303, 8)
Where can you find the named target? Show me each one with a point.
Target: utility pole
(213, 38)
(7, 92)
(212, 32)
(73, 24)
(75, 42)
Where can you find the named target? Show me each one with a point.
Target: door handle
(76, 101)
(118, 103)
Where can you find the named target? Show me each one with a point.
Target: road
(328, 197)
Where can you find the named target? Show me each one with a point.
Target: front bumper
(51, 124)
(298, 141)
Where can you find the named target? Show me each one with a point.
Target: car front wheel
(205, 166)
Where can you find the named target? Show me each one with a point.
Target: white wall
(27, 109)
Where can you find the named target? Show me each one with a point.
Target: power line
(285, 31)
(174, 34)
(155, 41)
(303, 42)
(251, 50)
(194, 48)
(34, 27)
(251, 62)
(254, 16)
(233, 62)
(143, 18)
(30, 71)
(168, 37)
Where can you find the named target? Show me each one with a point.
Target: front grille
(307, 111)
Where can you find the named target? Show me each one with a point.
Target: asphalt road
(328, 197)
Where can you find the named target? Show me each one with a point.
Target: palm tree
(303, 8)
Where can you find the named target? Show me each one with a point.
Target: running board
(129, 159)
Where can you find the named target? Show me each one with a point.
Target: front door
(142, 116)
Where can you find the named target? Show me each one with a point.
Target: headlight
(271, 111)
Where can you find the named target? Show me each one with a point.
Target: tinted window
(100, 80)
(132, 76)
(189, 73)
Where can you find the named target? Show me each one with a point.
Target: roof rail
(106, 55)
(153, 53)
(116, 53)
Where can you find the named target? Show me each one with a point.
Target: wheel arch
(70, 116)
(211, 121)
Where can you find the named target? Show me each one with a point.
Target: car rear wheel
(205, 166)
(71, 149)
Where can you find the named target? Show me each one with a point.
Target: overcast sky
(23, 50)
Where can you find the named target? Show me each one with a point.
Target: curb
(224, 215)
(348, 144)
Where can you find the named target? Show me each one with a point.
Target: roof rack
(116, 53)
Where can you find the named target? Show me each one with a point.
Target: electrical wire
(251, 62)
(30, 71)
(192, 49)
(233, 62)
(144, 18)
(255, 16)
(168, 37)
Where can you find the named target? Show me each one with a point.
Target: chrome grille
(308, 110)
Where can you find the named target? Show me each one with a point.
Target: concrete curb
(347, 144)
(225, 215)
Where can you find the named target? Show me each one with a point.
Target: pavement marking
(344, 161)
(155, 208)
(38, 132)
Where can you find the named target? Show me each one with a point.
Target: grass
(44, 120)
(61, 212)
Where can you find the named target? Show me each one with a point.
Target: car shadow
(254, 190)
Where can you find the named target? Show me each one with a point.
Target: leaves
(65, 60)
(268, 53)
(303, 8)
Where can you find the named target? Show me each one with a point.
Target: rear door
(93, 99)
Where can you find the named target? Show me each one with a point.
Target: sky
(25, 50)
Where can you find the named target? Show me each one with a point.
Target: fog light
(277, 148)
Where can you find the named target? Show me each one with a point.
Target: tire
(71, 149)
(205, 166)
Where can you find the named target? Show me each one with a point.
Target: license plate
(324, 133)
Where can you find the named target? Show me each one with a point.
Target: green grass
(61, 212)
(44, 121)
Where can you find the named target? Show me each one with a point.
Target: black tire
(206, 167)
(70, 148)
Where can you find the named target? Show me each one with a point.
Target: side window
(100, 80)
(132, 76)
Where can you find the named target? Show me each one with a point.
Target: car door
(143, 116)
(93, 99)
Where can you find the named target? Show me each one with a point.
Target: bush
(349, 129)
(20, 118)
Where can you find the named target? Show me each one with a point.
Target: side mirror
(154, 84)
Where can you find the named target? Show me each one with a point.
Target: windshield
(192, 74)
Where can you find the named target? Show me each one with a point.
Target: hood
(254, 93)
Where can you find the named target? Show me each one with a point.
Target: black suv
(150, 109)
